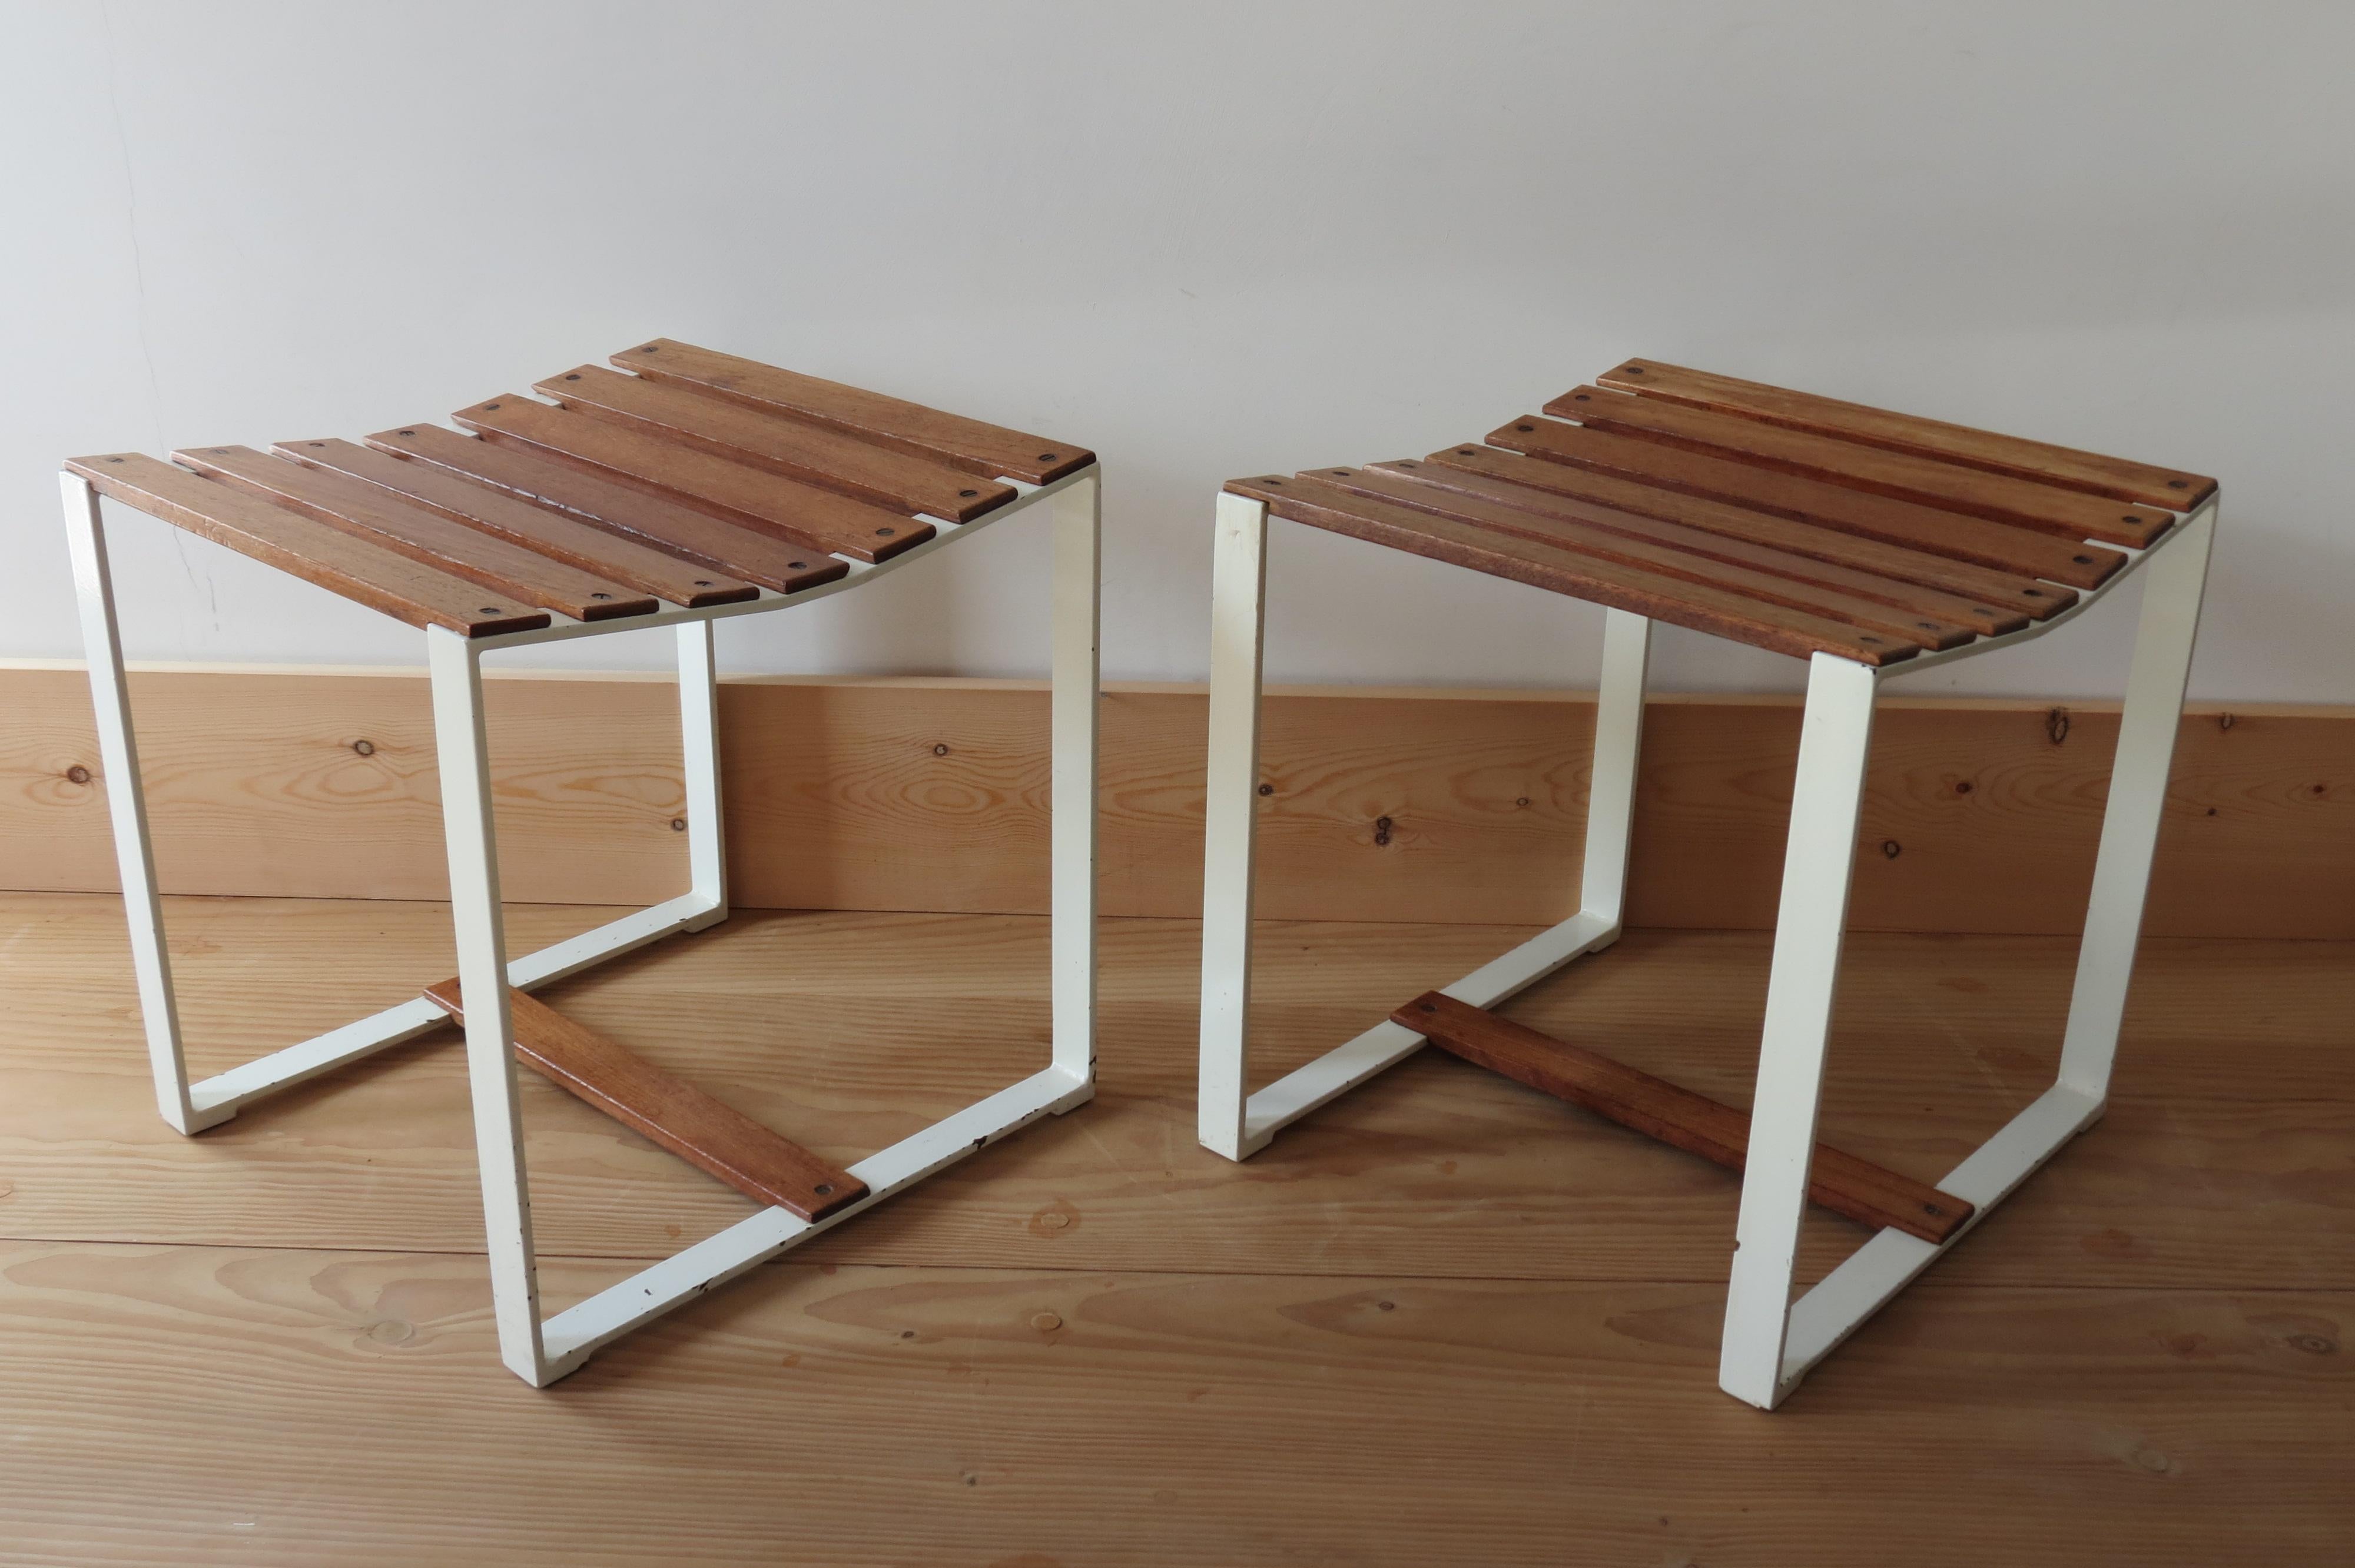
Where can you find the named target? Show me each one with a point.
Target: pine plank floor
(1447, 1321)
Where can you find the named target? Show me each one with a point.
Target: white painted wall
(1207, 241)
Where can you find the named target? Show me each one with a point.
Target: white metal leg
(685, 1276)
(190, 1108)
(539, 1351)
(698, 723)
(2173, 584)
(1870, 1277)
(476, 918)
(1233, 1121)
(1076, 680)
(118, 750)
(1767, 1349)
(1618, 752)
(1231, 810)
(2175, 576)
(1826, 798)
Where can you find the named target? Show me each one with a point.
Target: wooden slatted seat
(1871, 544)
(771, 478)
(685, 487)
(1796, 523)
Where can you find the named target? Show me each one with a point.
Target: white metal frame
(541, 1351)
(1770, 1341)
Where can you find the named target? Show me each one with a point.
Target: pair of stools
(688, 486)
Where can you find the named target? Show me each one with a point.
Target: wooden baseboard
(931, 794)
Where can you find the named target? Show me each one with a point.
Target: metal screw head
(1892, 848)
(885, 533)
(1632, 370)
(796, 565)
(678, 824)
(968, 494)
(1462, 451)
(405, 432)
(365, 747)
(1267, 788)
(1525, 428)
(2082, 560)
(823, 1189)
(601, 596)
(488, 609)
(2130, 518)
(1046, 457)
(940, 749)
(574, 376)
(650, 348)
(78, 774)
(2179, 484)
(490, 405)
(703, 582)
(1581, 397)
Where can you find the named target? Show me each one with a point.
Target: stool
(1870, 543)
(698, 486)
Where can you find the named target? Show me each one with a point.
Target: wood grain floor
(1447, 1321)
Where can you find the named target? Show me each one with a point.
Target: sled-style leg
(1827, 797)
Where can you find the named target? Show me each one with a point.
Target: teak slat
(1868, 1193)
(552, 534)
(794, 448)
(821, 519)
(302, 547)
(342, 502)
(1952, 534)
(989, 450)
(1700, 607)
(1874, 470)
(765, 1166)
(2116, 478)
(750, 554)
(1748, 571)
(1480, 469)
(1894, 595)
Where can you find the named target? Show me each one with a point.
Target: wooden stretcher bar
(765, 1166)
(1868, 1193)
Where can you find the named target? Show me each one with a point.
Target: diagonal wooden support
(1868, 1193)
(762, 1165)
